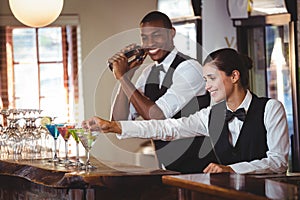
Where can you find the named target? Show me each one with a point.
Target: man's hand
(119, 62)
(101, 125)
(136, 58)
(216, 168)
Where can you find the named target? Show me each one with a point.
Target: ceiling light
(36, 13)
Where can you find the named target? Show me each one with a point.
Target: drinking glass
(88, 139)
(73, 132)
(63, 130)
(52, 128)
(45, 134)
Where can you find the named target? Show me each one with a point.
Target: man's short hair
(155, 16)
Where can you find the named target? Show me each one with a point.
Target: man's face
(157, 40)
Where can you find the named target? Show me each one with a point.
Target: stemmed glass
(45, 134)
(74, 134)
(88, 139)
(63, 130)
(14, 140)
(52, 128)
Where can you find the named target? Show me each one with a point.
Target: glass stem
(77, 151)
(88, 159)
(66, 149)
(55, 155)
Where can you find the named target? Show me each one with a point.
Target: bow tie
(239, 113)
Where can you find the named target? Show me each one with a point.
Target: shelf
(263, 20)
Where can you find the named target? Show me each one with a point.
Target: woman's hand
(216, 168)
(101, 125)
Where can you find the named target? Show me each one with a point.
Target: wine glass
(74, 134)
(88, 139)
(52, 128)
(63, 130)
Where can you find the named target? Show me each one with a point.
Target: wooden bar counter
(232, 186)
(40, 179)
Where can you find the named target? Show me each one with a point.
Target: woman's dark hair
(228, 59)
(155, 16)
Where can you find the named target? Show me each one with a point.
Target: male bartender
(171, 87)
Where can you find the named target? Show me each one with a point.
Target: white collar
(168, 60)
(246, 102)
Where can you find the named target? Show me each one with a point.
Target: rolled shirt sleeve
(187, 83)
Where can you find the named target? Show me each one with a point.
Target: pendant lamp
(36, 13)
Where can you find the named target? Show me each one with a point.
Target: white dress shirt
(188, 82)
(197, 124)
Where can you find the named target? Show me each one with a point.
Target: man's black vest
(179, 155)
(251, 143)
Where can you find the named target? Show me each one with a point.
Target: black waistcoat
(252, 141)
(180, 155)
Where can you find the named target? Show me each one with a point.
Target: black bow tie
(239, 113)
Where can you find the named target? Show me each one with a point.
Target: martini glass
(63, 130)
(45, 134)
(88, 139)
(52, 128)
(74, 134)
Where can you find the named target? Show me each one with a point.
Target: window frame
(69, 61)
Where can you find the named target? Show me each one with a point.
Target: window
(186, 36)
(176, 8)
(185, 17)
(41, 70)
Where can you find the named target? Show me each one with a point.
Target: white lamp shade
(36, 13)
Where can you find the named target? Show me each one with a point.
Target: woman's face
(157, 40)
(217, 83)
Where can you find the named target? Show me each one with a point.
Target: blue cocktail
(52, 128)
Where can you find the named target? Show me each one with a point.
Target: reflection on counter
(230, 186)
(27, 178)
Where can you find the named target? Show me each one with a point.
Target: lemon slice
(45, 120)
